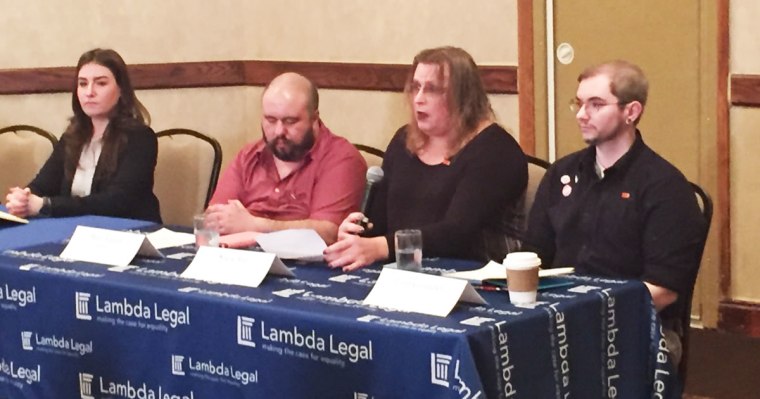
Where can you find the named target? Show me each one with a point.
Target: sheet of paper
(301, 244)
(166, 238)
(495, 270)
(7, 216)
(490, 270)
(107, 247)
(420, 292)
(234, 266)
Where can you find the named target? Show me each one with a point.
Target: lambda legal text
(20, 296)
(309, 339)
(138, 309)
(28, 374)
(132, 390)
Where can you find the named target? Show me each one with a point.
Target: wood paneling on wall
(745, 90)
(740, 317)
(328, 75)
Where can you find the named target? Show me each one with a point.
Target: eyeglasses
(427, 89)
(591, 106)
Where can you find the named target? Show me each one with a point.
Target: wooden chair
(186, 173)
(372, 155)
(23, 151)
(706, 206)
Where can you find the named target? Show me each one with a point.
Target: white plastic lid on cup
(522, 260)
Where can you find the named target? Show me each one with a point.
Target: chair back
(372, 155)
(23, 151)
(706, 206)
(186, 173)
(510, 236)
(536, 170)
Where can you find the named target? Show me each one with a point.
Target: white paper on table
(234, 266)
(420, 293)
(11, 218)
(165, 238)
(107, 247)
(490, 270)
(301, 244)
(495, 270)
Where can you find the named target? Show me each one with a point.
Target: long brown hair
(466, 96)
(127, 114)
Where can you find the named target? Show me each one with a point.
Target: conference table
(72, 329)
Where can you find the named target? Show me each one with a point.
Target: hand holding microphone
(374, 175)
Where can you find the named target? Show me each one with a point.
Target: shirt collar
(588, 158)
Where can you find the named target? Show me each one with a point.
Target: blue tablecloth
(43, 230)
(79, 330)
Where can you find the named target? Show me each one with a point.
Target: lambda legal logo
(439, 369)
(26, 340)
(177, 365)
(82, 303)
(85, 386)
(245, 331)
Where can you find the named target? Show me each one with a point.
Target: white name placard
(165, 238)
(107, 247)
(234, 266)
(420, 292)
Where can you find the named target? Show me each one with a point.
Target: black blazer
(127, 193)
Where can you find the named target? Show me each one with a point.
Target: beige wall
(43, 33)
(745, 164)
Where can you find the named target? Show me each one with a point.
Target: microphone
(374, 175)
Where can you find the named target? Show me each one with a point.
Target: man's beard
(290, 152)
(604, 138)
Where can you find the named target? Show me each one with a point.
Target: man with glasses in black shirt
(616, 208)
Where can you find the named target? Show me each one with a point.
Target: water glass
(204, 233)
(409, 250)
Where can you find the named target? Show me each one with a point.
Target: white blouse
(88, 161)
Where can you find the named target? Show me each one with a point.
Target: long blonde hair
(466, 96)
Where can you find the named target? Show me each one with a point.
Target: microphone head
(374, 174)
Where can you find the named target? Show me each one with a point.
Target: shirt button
(277, 190)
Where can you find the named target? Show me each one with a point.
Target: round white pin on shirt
(567, 190)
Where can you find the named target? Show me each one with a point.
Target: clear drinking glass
(409, 250)
(204, 234)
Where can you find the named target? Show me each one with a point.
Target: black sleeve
(673, 235)
(129, 187)
(48, 181)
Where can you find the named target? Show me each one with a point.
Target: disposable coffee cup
(205, 235)
(522, 276)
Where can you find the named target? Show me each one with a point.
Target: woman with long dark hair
(104, 162)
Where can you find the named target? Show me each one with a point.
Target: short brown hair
(627, 81)
(467, 99)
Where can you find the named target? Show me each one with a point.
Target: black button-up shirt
(640, 221)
